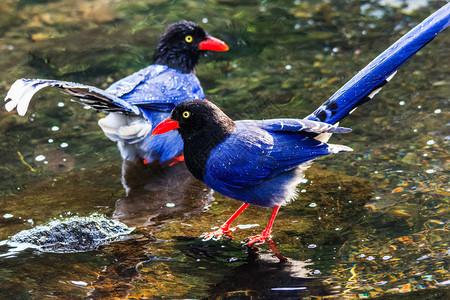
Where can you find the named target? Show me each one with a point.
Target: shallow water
(372, 222)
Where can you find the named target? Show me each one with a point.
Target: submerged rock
(75, 234)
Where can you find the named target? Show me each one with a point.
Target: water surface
(372, 222)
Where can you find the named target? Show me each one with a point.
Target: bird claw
(256, 239)
(217, 234)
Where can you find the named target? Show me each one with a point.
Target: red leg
(177, 159)
(225, 226)
(259, 239)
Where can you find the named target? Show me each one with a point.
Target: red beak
(165, 126)
(213, 44)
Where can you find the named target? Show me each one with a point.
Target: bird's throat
(181, 61)
(198, 147)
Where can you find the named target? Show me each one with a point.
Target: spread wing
(154, 88)
(23, 90)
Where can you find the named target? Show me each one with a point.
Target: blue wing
(154, 88)
(369, 80)
(157, 88)
(253, 154)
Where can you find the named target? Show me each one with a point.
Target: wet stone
(74, 234)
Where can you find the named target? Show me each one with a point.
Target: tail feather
(23, 90)
(376, 74)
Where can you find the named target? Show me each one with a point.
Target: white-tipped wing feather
(23, 90)
(20, 95)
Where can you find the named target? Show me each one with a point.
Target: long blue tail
(376, 74)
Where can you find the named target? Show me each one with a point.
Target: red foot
(144, 161)
(257, 239)
(217, 234)
(225, 229)
(265, 235)
(177, 160)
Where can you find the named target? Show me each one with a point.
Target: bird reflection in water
(253, 275)
(262, 277)
(155, 193)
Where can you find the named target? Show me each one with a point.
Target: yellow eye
(189, 39)
(186, 114)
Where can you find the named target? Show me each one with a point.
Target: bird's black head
(203, 126)
(181, 45)
(197, 117)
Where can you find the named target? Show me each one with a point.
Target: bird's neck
(198, 147)
(179, 60)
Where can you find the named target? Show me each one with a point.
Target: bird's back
(157, 88)
(262, 167)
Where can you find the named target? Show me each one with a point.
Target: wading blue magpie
(261, 162)
(137, 103)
